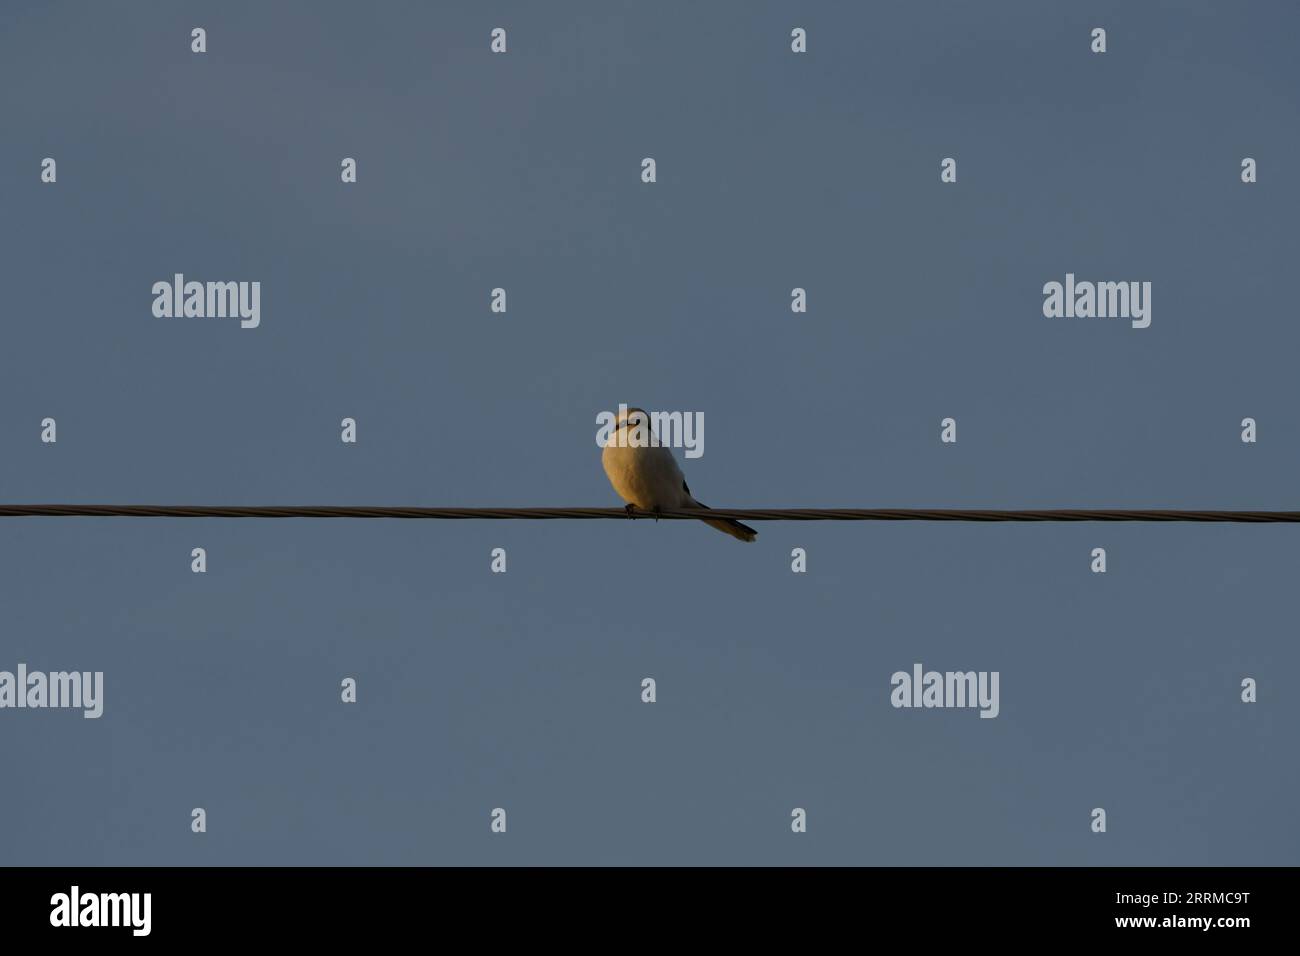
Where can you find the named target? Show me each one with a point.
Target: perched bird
(648, 477)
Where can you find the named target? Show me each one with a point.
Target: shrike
(648, 477)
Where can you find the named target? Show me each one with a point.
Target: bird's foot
(629, 508)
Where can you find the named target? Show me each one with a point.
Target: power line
(740, 514)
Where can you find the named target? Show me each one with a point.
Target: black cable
(740, 514)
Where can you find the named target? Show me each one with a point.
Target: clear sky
(775, 170)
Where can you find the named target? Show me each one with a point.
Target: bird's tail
(734, 528)
(729, 526)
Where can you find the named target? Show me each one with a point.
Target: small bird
(648, 477)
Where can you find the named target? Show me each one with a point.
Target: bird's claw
(632, 510)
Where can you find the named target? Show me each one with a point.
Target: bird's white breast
(647, 477)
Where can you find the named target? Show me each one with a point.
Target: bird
(648, 477)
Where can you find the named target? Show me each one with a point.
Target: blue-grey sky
(775, 170)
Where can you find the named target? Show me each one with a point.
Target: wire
(741, 514)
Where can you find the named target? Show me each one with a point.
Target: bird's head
(633, 417)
